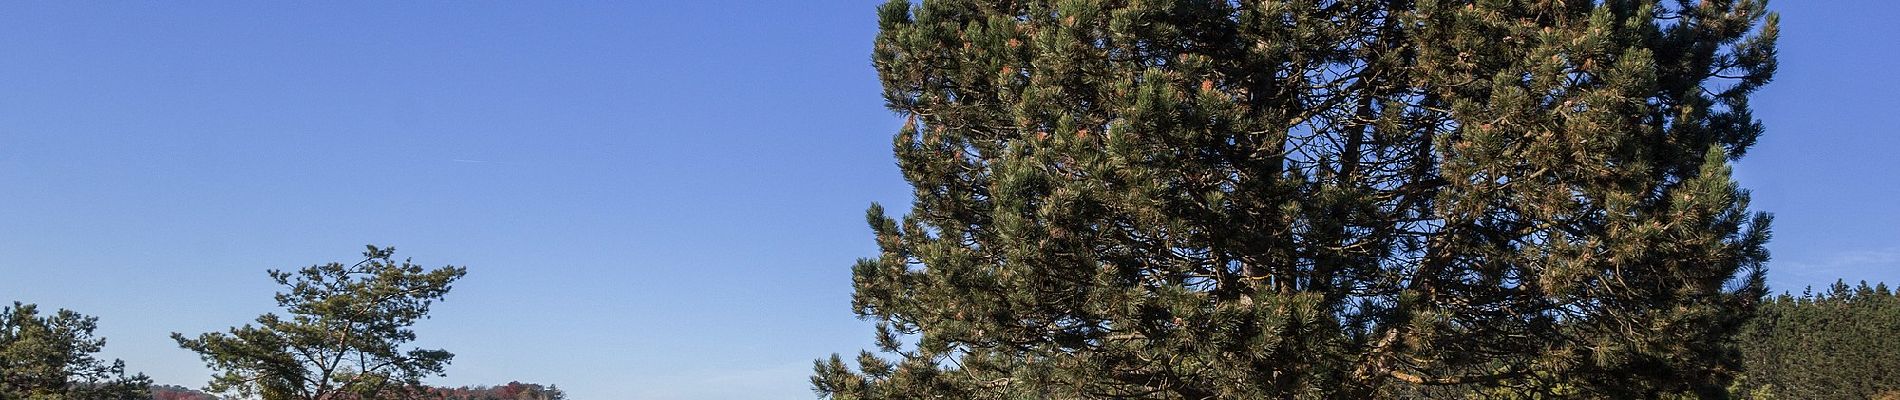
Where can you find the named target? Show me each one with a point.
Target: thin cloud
(1875, 265)
(769, 382)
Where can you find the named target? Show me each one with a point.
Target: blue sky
(653, 198)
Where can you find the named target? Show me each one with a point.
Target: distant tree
(344, 336)
(511, 391)
(1123, 199)
(52, 358)
(173, 392)
(1842, 343)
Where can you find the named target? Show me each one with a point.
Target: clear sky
(654, 199)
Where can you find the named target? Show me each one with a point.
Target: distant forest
(510, 391)
(1841, 343)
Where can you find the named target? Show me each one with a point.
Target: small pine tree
(52, 357)
(343, 338)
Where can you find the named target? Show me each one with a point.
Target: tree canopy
(1313, 199)
(343, 338)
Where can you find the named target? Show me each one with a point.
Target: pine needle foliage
(1199, 199)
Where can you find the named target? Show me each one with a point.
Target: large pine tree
(1196, 199)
